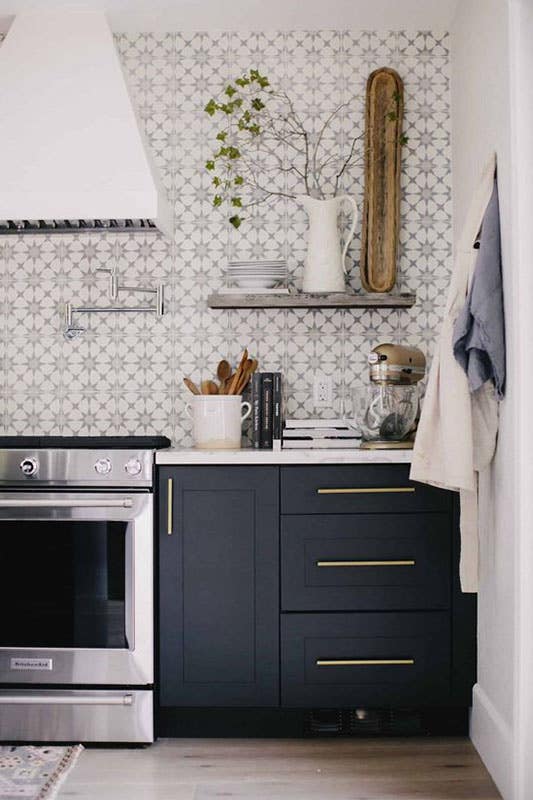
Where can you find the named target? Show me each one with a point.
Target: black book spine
(266, 409)
(256, 409)
(276, 411)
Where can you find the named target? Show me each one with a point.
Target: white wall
(521, 28)
(481, 123)
(137, 16)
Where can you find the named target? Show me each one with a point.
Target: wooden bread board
(381, 207)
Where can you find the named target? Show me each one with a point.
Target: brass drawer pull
(406, 563)
(366, 662)
(170, 510)
(371, 490)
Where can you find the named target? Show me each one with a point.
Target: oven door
(76, 588)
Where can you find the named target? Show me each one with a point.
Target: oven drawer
(53, 715)
(365, 562)
(353, 660)
(359, 488)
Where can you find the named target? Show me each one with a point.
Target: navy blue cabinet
(353, 568)
(219, 590)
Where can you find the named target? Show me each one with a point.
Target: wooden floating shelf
(303, 300)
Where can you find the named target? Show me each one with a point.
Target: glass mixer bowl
(386, 412)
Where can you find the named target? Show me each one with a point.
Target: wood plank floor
(291, 769)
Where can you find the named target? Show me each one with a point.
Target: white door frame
(521, 51)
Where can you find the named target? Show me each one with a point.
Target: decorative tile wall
(124, 376)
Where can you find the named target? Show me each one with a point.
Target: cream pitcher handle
(247, 412)
(352, 228)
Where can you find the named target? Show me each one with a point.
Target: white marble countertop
(250, 456)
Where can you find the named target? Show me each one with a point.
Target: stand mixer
(390, 410)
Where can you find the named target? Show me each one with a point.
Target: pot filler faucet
(73, 331)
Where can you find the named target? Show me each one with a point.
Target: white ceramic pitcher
(325, 264)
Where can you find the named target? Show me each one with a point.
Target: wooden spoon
(223, 370)
(209, 387)
(223, 375)
(225, 386)
(191, 386)
(238, 373)
(249, 369)
(245, 377)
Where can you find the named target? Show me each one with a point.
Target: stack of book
(318, 433)
(265, 397)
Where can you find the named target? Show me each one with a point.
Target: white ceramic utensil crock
(217, 421)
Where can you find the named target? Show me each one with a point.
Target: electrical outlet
(323, 390)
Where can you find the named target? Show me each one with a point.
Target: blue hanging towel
(479, 330)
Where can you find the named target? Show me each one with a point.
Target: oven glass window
(63, 584)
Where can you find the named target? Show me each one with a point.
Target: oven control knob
(29, 466)
(133, 467)
(103, 466)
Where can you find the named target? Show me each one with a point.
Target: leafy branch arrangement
(263, 135)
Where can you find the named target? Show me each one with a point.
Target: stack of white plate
(256, 274)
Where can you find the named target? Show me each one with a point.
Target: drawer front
(353, 660)
(365, 562)
(360, 488)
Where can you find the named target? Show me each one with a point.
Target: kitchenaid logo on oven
(32, 663)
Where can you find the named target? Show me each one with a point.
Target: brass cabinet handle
(405, 563)
(170, 510)
(366, 662)
(371, 490)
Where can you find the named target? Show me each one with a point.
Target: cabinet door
(219, 586)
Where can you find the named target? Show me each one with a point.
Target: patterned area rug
(35, 773)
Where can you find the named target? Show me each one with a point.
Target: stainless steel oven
(76, 592)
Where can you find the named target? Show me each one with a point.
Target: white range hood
(71, 151)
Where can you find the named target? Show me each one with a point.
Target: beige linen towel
(456, 435)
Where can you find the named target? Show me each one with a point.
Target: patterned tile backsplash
(124, 376)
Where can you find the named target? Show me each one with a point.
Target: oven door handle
(65, 700)
(123, 502)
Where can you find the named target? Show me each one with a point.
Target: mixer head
(396, 364)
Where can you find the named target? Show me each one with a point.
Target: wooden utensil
(249, 369)
(238, 373)
(209, 387)
(225, 386)
(381, 209)
(224, 373)
(223, 370)
(191, 386)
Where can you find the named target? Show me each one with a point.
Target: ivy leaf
(257, 104)
(404, 139)
(217, 200)
(242, 82)
(210, 164)
(235, 221)
(222, 136)
(392, 116)
(230, 91)
(236, 202)
(211, 107)
(254, 129)
(232, 152)
(216, 181)
(238, 180)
